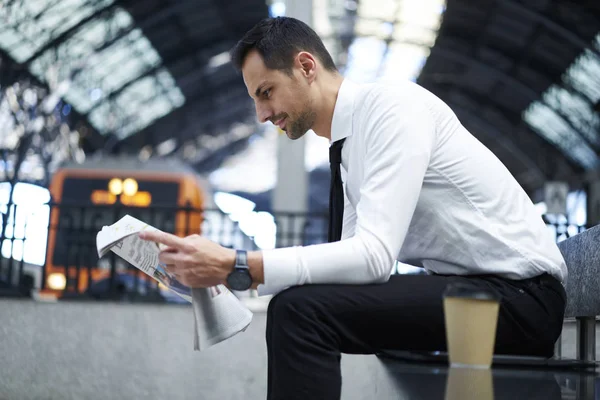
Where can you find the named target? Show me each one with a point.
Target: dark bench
(582, 256)
(583, 303)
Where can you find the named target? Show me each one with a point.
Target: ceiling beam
(57, 40)
(169, 60)
(465, 60)
(150, 21)
(551, 25)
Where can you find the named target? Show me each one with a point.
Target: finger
(161, 237)
(163, 247)
(168, 258)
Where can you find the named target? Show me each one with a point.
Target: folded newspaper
(218, 313)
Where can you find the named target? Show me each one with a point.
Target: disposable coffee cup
(471, 317)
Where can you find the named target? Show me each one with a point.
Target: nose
(263, 113)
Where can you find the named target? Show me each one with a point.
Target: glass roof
(565, 115)
(393, 38)
(112, 72)
(29, 25)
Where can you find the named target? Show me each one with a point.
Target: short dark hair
(278, 40)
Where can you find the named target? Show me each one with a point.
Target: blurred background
(114, 107)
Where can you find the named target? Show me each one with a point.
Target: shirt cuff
(280, 268)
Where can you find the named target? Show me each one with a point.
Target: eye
(267, 93)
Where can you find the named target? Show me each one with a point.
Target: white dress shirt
(420, 189)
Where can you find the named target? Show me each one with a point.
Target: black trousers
(308, 327)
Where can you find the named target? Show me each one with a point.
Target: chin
(294, 137)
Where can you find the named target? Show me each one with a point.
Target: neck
(328, 93)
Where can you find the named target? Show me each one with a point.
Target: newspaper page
(122, 239)
(218, 313)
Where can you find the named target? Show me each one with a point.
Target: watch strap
(241, 259)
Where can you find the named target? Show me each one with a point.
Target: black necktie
(336, 192)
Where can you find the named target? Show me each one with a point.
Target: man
(419, 188)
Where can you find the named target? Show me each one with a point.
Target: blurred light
(145, 153)
(233, 204)
(30, 97)
(115, 186)
(130, 187)
(96, 94)
(351, 5)
(219, 60)
(103, 197)
(38, 124)
(139, 199)
(57, 281)
(189, 151)
(66, 109)
(260, 226)
(27, 222)
(387, 28)
(52, 100)
(277, 9)
(264, 230)
(541, 208)
(64, 129)
(166, 147)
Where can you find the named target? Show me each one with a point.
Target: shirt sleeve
(398, 136)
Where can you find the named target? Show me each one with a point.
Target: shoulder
(405, 94)
(400, 100)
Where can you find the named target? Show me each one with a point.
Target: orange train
(165, 193)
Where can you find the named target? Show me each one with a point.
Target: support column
(586, 338)
(291, 190)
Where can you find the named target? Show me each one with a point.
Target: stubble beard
(300, 125)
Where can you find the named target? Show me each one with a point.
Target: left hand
(194, 260)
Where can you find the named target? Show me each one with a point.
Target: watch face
(239, 280)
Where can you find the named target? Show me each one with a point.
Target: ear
(307, 64)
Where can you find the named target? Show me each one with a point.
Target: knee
(301, 314)
(298, 306)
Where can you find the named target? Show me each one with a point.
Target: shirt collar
(341, 124)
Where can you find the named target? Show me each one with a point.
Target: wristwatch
(239, 278)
